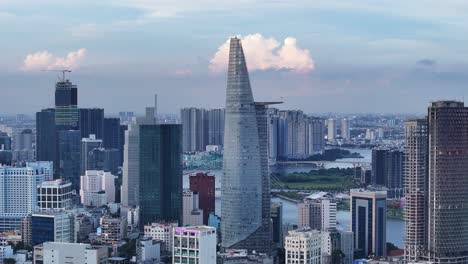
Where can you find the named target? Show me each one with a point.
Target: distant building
(163, 232)
(66, 105)
(89, 161)
(369, 218)
(387, 170)
(69, 153)
(70, 253)
(19, 191)
(277, 223)
(195, 244)
(192, 215)
(45, 135)
(347, 246)
(194, 137)
(23, 146)
(345, 128)
(204, 185)
(52, 226)
(97, 188)
(317, 214)
(303, 247)
(54, 195)
(331, 124)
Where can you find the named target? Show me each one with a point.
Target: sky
(354, 56)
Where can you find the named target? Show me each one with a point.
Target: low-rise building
(54, 195)
(148, 251)
(113, 229)
(163, 232)
(196, 244)
(303, 247)
(70, 253)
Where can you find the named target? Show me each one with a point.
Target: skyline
(353, 57)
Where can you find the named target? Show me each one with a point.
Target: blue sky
(359, 55)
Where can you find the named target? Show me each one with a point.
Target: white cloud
(47, 61)
(266, 54)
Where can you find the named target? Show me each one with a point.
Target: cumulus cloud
(266, 54)
(46, 60)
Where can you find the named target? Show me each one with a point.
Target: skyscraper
(88, 157)
(331, 129)
(345, 128)
(215, 118)
(23, 146)
(448, 182)
(45, 135)
(66, 105)
(416, 187)
(160, 173)
(193, 125)
(243, 180)
(369, 222)
(91, 122)
(69, 154)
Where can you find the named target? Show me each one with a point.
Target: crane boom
(62, 71)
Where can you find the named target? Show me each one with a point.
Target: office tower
(317, 214)
(91, 122)
(66, 105)
(54, 195)
(6, 157)
(45, 135)
(448, 182)
(89, 160)
(416, 188)
(196, 244)
(331, 242)
(126, 117)
(160, 173)
(369, 222)
(192, 215)
(345, 128)
(347, 246)
(131, 164)
(242, 202)
(277, 223)
(113, 229)
(193, 125)
(273, 127)
(163, 232)
(296, 135)
(97, 188)
(114, 136)
(148, 250)
(52, 226)
(387, 170)
(70, 253)
(331, 129)
(69, 153)
(215, 119)
(378, 167)
(204, 185)
(18, 196)
(303, 247)
(23, 146)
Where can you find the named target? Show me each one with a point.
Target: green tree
(9, 261)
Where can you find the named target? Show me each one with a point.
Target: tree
(9, 261)
(337, 256)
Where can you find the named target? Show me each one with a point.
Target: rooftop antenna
(62, 71)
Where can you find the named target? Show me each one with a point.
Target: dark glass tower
(66, 105)
(160, 173)
(69, 153)
(45, 135)
(92, 122)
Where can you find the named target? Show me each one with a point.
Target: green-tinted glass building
(160, 177)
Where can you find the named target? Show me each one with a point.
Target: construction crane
(62, 71)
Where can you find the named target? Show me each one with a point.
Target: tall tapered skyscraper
(243, 183)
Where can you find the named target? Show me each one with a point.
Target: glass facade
(69, 150)
(160, 182)
(42, 229)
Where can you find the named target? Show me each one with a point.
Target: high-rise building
(331, 242)
(23, 146)
(5, 141)
(347, 246)
(196, 244)
(416, 189)
(66, 105)
(97, 188)
(331, 123)
(52, 226)
(114, 136)
(70, 253)
(319, 214)
(131, 164)
(91, 122)
(18, 196)
(193, 125)
(369, 222)
(89, 159)
(163, 232)
(215, 119)
(69, 153)
(160, 173)
(192, 215)
(45, 135)
(243, 198)
(54, 195)
(345, 128)
(378, 167)
(204, 185)
(277, 223)
(448, 182)
(387, 170)
(315, 136)
(303, 247)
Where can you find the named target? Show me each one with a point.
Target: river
(395, 228)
